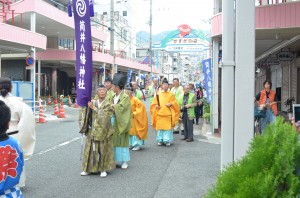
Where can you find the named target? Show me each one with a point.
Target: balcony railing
(7, 13)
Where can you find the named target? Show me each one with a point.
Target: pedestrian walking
(139, 126)
(188, 113)
(99, 150)
(165, 112)
(11, 157)
(22, 120)
(121, 121)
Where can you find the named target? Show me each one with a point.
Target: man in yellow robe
(165, 112)
(139, 126)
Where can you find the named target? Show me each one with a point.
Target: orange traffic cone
(61, 111)
(41, 116)
(76, 105)
(56, 112)
(49, 100)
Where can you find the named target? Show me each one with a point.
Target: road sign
(29, 61)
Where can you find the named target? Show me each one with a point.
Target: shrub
(267, 170)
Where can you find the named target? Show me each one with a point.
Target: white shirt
(22, 120)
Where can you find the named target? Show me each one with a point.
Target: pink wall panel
(277, 16)
(69, 55)
(272, 17)
(293, 16)
(297, 15)
(22, 36)
(51, 12)
(286, 15)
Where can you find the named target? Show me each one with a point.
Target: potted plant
(206, 110)
(289, 103)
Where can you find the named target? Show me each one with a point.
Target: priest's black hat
(108, 79)
(119, 80)
(129, 87)
(165, 81)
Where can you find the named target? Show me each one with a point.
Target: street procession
(149, 98)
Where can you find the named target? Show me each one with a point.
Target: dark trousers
(198, 112)
(188, 126)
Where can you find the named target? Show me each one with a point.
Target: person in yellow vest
(267, 98)
(177, 90)
(165, 112)
(110, 93)
(153, 89)
(139, 126)
(108, 85)
(136, 91)
(189, 103)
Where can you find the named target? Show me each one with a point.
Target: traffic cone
(76, 106)
(61, 111)
(41, 116)
(49, 100)
(56, 112)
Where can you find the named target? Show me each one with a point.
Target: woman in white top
(22, 120)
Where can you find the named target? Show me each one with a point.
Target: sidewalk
(208, 136)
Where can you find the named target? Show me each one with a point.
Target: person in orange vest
(268, 99)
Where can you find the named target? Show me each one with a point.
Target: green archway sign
(184, 39)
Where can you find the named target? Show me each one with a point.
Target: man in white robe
(22, 120)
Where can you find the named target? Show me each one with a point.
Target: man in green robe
(121, 120)
(99, 150)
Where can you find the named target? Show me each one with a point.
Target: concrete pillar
(244, 77)
(39, 78)
(0, 64)
(227, 83)
(104, 74)
(139, 77)
(215, 64)
(54, 82)
(32, 72)
(115, 69)
(216, 7)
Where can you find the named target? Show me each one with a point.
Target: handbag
(258, 113)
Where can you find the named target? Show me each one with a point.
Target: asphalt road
(182, 170)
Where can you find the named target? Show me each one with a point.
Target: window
(104, 13)
(66, 43)
(124, 13)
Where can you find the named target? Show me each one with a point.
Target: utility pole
(150, 43)
(112, 34)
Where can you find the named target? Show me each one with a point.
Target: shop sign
(286, 56)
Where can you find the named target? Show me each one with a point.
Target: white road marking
(55, 147)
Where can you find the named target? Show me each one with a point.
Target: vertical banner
(129, 75)
(208, 78)
(84, 64)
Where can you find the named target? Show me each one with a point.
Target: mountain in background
(142, 37)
